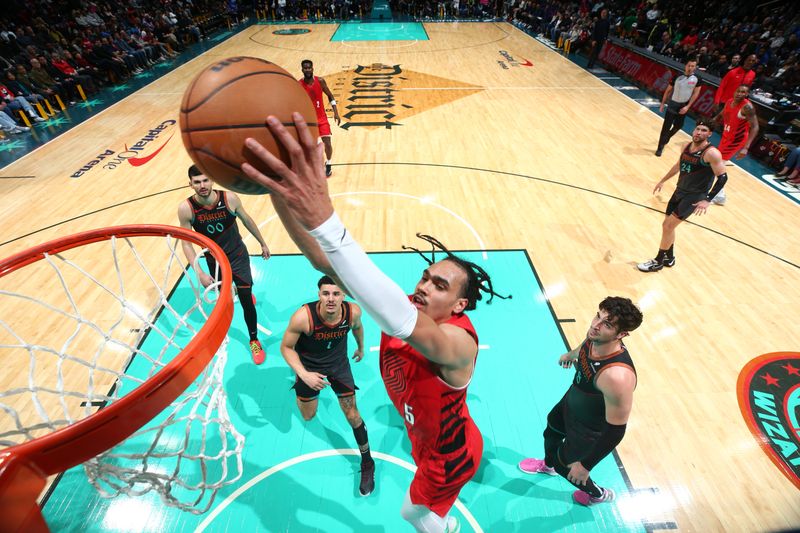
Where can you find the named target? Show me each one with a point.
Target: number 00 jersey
(436, 414)
(218, 223)
(326, 345)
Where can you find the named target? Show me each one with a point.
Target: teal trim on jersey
(380, 31)
(313, 488)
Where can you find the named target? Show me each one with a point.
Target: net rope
(186, 453)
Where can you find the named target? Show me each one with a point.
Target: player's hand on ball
(303, 187)
(315, 380)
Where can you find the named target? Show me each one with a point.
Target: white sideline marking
(309, 457)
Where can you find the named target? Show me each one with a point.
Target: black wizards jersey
(696, 176)
(326, 345)
(218, 223)
(585, 402)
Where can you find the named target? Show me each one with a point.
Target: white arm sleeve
(381, 297)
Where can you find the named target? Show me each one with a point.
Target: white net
(82, 328)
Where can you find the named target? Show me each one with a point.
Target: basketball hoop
(107, 350)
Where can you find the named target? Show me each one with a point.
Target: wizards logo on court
(768, 390)
(382, 96)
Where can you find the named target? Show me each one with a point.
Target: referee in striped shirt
(679, 97)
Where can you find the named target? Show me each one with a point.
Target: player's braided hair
(477, 279)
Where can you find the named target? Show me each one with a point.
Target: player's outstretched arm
(235, 205)
(566, 360)
(304, 190)
(185, 220)
(670, 173)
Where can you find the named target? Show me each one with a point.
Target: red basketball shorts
(440, 478)
(728, 147)
(324, 125)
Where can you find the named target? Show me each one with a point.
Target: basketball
(228, 102)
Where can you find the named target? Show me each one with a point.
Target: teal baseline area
(380, 31)
(303, 476)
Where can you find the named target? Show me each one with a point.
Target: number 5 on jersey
(409, 415)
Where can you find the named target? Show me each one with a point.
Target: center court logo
(138, 154)
(381, 96)
(768, 391)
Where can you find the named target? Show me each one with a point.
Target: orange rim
(79, 442)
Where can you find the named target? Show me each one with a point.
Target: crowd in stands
(315, 9)
(50, 47)
(400, 9)
(448, 9)
(720, 34)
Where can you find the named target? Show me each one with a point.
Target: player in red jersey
(429, 346)
(740, 125)
(739, 129)
(315, 86)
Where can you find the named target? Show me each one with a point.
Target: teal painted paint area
(295, 481)
(380, 31)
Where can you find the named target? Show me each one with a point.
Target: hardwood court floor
(484, 151)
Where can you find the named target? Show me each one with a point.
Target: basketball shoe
(258, 352)
(367, 484)
(584, 498)
(654, 265)
(536, 466)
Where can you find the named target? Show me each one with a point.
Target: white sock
(423, 519)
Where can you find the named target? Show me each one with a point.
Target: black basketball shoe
(367, 484)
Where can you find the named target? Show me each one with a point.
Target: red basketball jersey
(435, 413)
(315, 93)
(737, 127)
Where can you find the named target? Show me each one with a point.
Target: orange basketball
(228, 102)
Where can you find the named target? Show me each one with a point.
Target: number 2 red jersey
(315, 93)
(435, 413)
